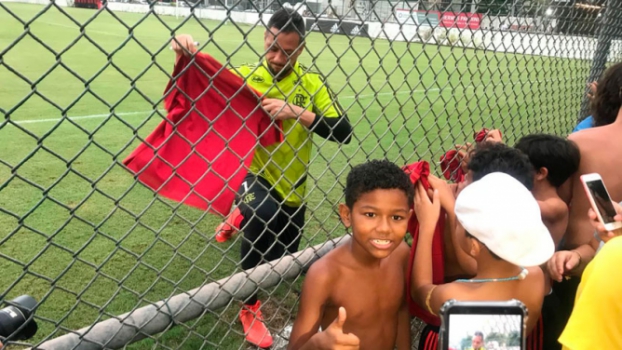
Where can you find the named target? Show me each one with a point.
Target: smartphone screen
(602, 200)
(484, 331)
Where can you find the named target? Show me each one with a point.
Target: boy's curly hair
(376, 174)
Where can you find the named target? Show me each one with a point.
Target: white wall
(493, 40)
(500, 41)
(213, 14)
(62, 3)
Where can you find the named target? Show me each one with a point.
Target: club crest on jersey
(300, 100)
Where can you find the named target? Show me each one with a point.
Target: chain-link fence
(81, 87)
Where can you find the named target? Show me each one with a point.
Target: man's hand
(281, 110)
(184, 45)
(563, 262)
(427, 211)
(494, 135)
(333, 338)
(600, 228)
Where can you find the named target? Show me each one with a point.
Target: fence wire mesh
(81, 87)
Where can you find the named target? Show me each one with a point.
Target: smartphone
(483, 324)
(601, 201)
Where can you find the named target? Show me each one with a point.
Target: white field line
(122, 114)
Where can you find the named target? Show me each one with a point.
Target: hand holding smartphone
(483, 325)
(600, 200)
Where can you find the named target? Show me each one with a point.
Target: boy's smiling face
(379, 220)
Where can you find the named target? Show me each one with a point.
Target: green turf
(79, 234)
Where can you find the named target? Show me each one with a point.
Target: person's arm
(427, 214)
(552, 210)
(331, 121)
(183, 44)
(602, 232)
(429, 296)
(335, 128)
(448, 202)
(579, 236)
(571, 262)
(554, 213)
(314, 296)
(311, 308)
(334, 337)
(580, 231)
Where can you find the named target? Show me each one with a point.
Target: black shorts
(429, 338)
(546, 332)
(271, 229)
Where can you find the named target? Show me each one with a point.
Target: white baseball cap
(502, 214)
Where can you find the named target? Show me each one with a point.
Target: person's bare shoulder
(587, 138)
(444, 292)
(553, 209)
(402, 252)
(581, 135)
(328, 265)
(535, 279)
(320, 277)
(534, 290)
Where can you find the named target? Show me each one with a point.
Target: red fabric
(481, 135)
(451, 166)
(535, 340)
(208, 175)
(451, 161)
(431, 342)
(420, 171)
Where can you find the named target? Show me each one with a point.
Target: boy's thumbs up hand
(335, 339)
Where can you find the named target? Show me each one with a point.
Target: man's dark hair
(479, 334)
(558, 155)
(607, 100)
(492, 157)
(374, 175)
(288, 21)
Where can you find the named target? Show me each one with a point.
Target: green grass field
(79, 234)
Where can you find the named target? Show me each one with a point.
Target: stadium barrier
(494, 40)
(90, 242)
(117, 332)
(555, 45)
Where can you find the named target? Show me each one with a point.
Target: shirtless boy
(555, 160)
(356, 293)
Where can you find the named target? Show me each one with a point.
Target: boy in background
(356, 293)
(555, 160)
(504, 233)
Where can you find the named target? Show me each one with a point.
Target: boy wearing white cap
(504, 234)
